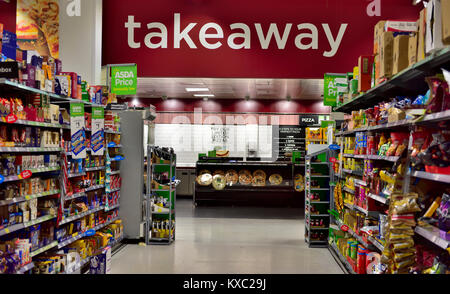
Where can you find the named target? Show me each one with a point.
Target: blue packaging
(9, 45)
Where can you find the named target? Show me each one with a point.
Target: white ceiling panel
(297, 89)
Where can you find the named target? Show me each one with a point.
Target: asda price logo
(124, 80)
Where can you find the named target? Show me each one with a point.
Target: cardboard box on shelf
(445, 6)
(421, 35)
(365, 65)
(433, 36)
(400, 56)
(386, 55)
(412, 49)
(378, 30)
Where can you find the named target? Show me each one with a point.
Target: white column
(80, 38)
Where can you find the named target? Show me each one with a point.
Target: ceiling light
(197, 89)
(203, 95)
(135, 102)
(205, 98)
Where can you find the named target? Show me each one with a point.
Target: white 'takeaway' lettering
(211, 33)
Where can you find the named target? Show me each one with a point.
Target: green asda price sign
(124, 80)
(330, 91)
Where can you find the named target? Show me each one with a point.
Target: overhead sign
(307, 120)
(258, 39)
(124, 80)
(330, 85)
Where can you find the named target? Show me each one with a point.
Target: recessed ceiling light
(197, 89)
(203, 95)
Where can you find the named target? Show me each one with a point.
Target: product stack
(391, 194)
(54, 210)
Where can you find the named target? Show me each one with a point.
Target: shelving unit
(317, 197)
(60, 172)
(409, 82)
(156, 222)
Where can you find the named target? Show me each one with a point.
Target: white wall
(80, 44)
(189, 140)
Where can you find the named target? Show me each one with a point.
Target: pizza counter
(253, 182)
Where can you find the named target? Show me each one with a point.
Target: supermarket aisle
(230, 240)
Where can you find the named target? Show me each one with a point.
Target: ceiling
(297, 89)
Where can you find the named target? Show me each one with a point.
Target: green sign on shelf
(124, 80)
(330, 85)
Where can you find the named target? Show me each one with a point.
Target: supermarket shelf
(74, 175)
(430, 118)
(432, 234)
(379, 198)
(88, 169)
(376, 243)
(33, 171)
(318, 202)
(113, 190)
(112, 132)
(83, 214)
(74, 196)
(39, 220)
(30, 149)
(43, 249)
(115, 172)
(343, 263)
(318, 176)
(360, 183)
(319, 215)
(96, 187)
(35, 124)
(8, 85)
(356, 236)
(410, 76)
(349, 190)
(78, 266)
(28, 197)
(112, 207)
(350, 206)
(431, 176)
(115, 146)
(82, 235)
(348, 155)
(319, 189)
(25, 268)
(348, 171)
(318, 229)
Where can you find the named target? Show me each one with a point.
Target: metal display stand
(152, 212)
(323, 203)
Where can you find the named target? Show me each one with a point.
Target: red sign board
(11, 118)
(26, 174)
(244, 39)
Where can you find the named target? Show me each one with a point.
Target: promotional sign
(344, 228)
(244, 39)
(26, 174)
(78, 140)
(38, 26)
(9, 70)
(289, 139)
(307, 120)
(11, 118)
(330, 85)
(2, 179)
(124, 80)
(98, 131)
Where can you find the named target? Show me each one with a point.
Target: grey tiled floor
(222, 240)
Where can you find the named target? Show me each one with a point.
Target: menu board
(288, 139)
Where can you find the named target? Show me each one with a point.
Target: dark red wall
(8, 15)
(235, 105)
